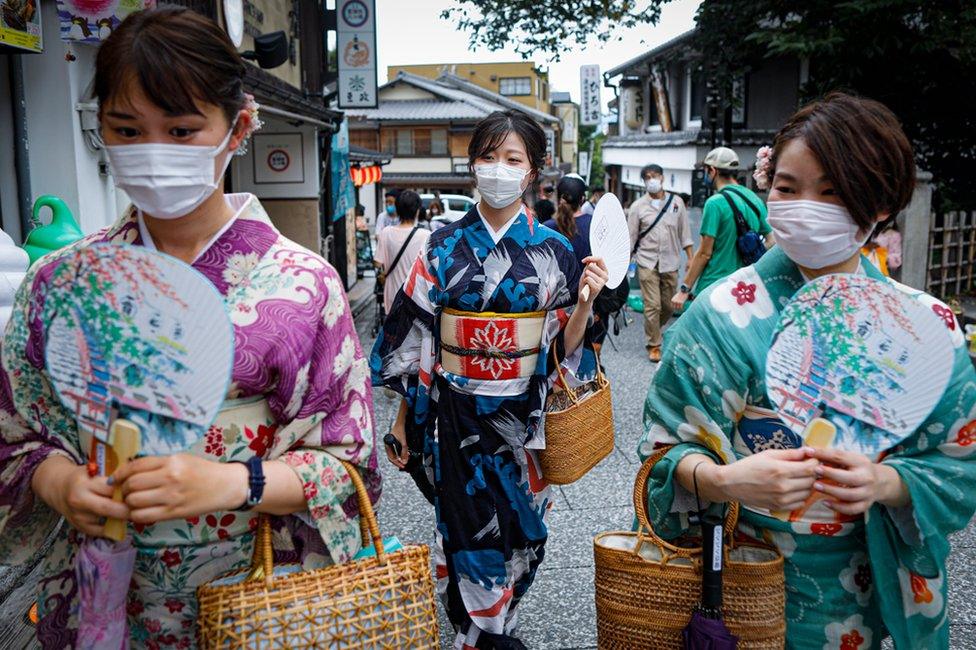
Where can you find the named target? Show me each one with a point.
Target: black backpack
(610, 301)
(748, 242)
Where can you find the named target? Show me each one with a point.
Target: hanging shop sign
(590, 95)
(356, 40)
(20, 25)
(279, 158)
(343, 191)
(92, 21)
(366, 175)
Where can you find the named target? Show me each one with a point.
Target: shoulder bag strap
(396, 259)
(740, 223)
(745, 199)
(659, 216)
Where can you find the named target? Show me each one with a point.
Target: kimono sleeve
(33, 426)
(693, 402)
(908, 547)
(329, 415)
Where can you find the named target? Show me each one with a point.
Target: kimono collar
(498, 235)
(236, 202)
(248, 236)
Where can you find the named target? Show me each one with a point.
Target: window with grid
(404, 142)
(438, 142)
(515, 86)
(421, 142)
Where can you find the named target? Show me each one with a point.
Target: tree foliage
(916, 56)
(548, 27)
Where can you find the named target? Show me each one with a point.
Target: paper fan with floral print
(861, 353)
(138, 332)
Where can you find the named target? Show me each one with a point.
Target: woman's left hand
(159, 488)
(595, 276)
(857, 482)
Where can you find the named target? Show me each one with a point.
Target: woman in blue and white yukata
(468, 344)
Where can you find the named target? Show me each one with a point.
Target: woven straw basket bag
(385, 601)
(647, 588)
(579, 428)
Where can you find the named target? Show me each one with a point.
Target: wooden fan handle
(819, 434)
(125, 439)
(585, 293)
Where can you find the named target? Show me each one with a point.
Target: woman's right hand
(85, 501)
(775, 479)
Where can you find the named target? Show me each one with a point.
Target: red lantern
(366, 175)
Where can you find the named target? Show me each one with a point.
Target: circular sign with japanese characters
(355, 13)
(278, 160)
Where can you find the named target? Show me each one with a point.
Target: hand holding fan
(854, 346)
(610, 240)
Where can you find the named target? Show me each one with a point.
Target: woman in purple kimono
(173, 112)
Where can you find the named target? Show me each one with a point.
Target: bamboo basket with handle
(578, 434)
(647, 588)
(385, 601)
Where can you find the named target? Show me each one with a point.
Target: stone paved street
(559, 610)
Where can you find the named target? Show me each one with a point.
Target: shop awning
(286, 101)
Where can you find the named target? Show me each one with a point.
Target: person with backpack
(398, 246)
(734, 232)
(659, 231)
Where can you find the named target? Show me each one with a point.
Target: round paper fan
(610, 239)
(137, 330)
(850, 345)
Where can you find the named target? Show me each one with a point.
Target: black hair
(360, 210)
(407, 205)
(572, 192)
(491, 131)
(394, 193)
(597, 188)
(544, 209)
(647, 169)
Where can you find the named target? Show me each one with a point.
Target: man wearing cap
(717, 255)
(659, 231)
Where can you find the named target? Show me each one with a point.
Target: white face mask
(167, 181)
(814, 234)
(500, 185)
(654, 185)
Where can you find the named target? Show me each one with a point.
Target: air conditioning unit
(494, 77)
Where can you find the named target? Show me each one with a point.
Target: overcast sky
(412, 32)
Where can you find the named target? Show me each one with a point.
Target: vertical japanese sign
(343, 190)
(590, 110)
(356, 42)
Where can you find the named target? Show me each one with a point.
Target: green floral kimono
(850, 580)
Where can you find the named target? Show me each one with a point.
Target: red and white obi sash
(489, 345)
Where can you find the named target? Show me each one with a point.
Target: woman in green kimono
(868, 557)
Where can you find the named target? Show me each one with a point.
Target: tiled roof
(559, 97)
(653, 53)
(700, 136)
(473, 89)
(420, 110)
(428, 180)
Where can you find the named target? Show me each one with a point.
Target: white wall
(403, 165)
(244, 166)
(60, 161)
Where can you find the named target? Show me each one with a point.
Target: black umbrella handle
(712, 561)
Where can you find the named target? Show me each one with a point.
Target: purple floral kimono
(300, 393)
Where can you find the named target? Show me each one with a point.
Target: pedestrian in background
(659, 231)
(397, 247)
(388, 217)
(718, 255)
(596, 193)
(545, 210)
(865, 543)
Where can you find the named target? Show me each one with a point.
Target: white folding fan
(610, 240)
(134, 329)
(858, 347)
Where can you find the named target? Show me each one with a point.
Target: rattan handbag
(385, 601)
(579, 428)
(647, 588)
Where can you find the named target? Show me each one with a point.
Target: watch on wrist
(684, 288)
(255, 482)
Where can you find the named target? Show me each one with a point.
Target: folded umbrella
(706, 630)
(103, 571)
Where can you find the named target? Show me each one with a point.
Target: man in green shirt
(717, 255)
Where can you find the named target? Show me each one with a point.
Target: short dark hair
(360, 210)
(492, 130)
(544, 209)
(407, 204)
(647, 169)
(863, 151)
(394, 193)
(177, 56)
(597, 188)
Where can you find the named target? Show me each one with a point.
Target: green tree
(916, 56)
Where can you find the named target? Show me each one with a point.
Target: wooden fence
(952, 254)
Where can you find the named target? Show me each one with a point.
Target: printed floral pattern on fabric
(305, 398)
